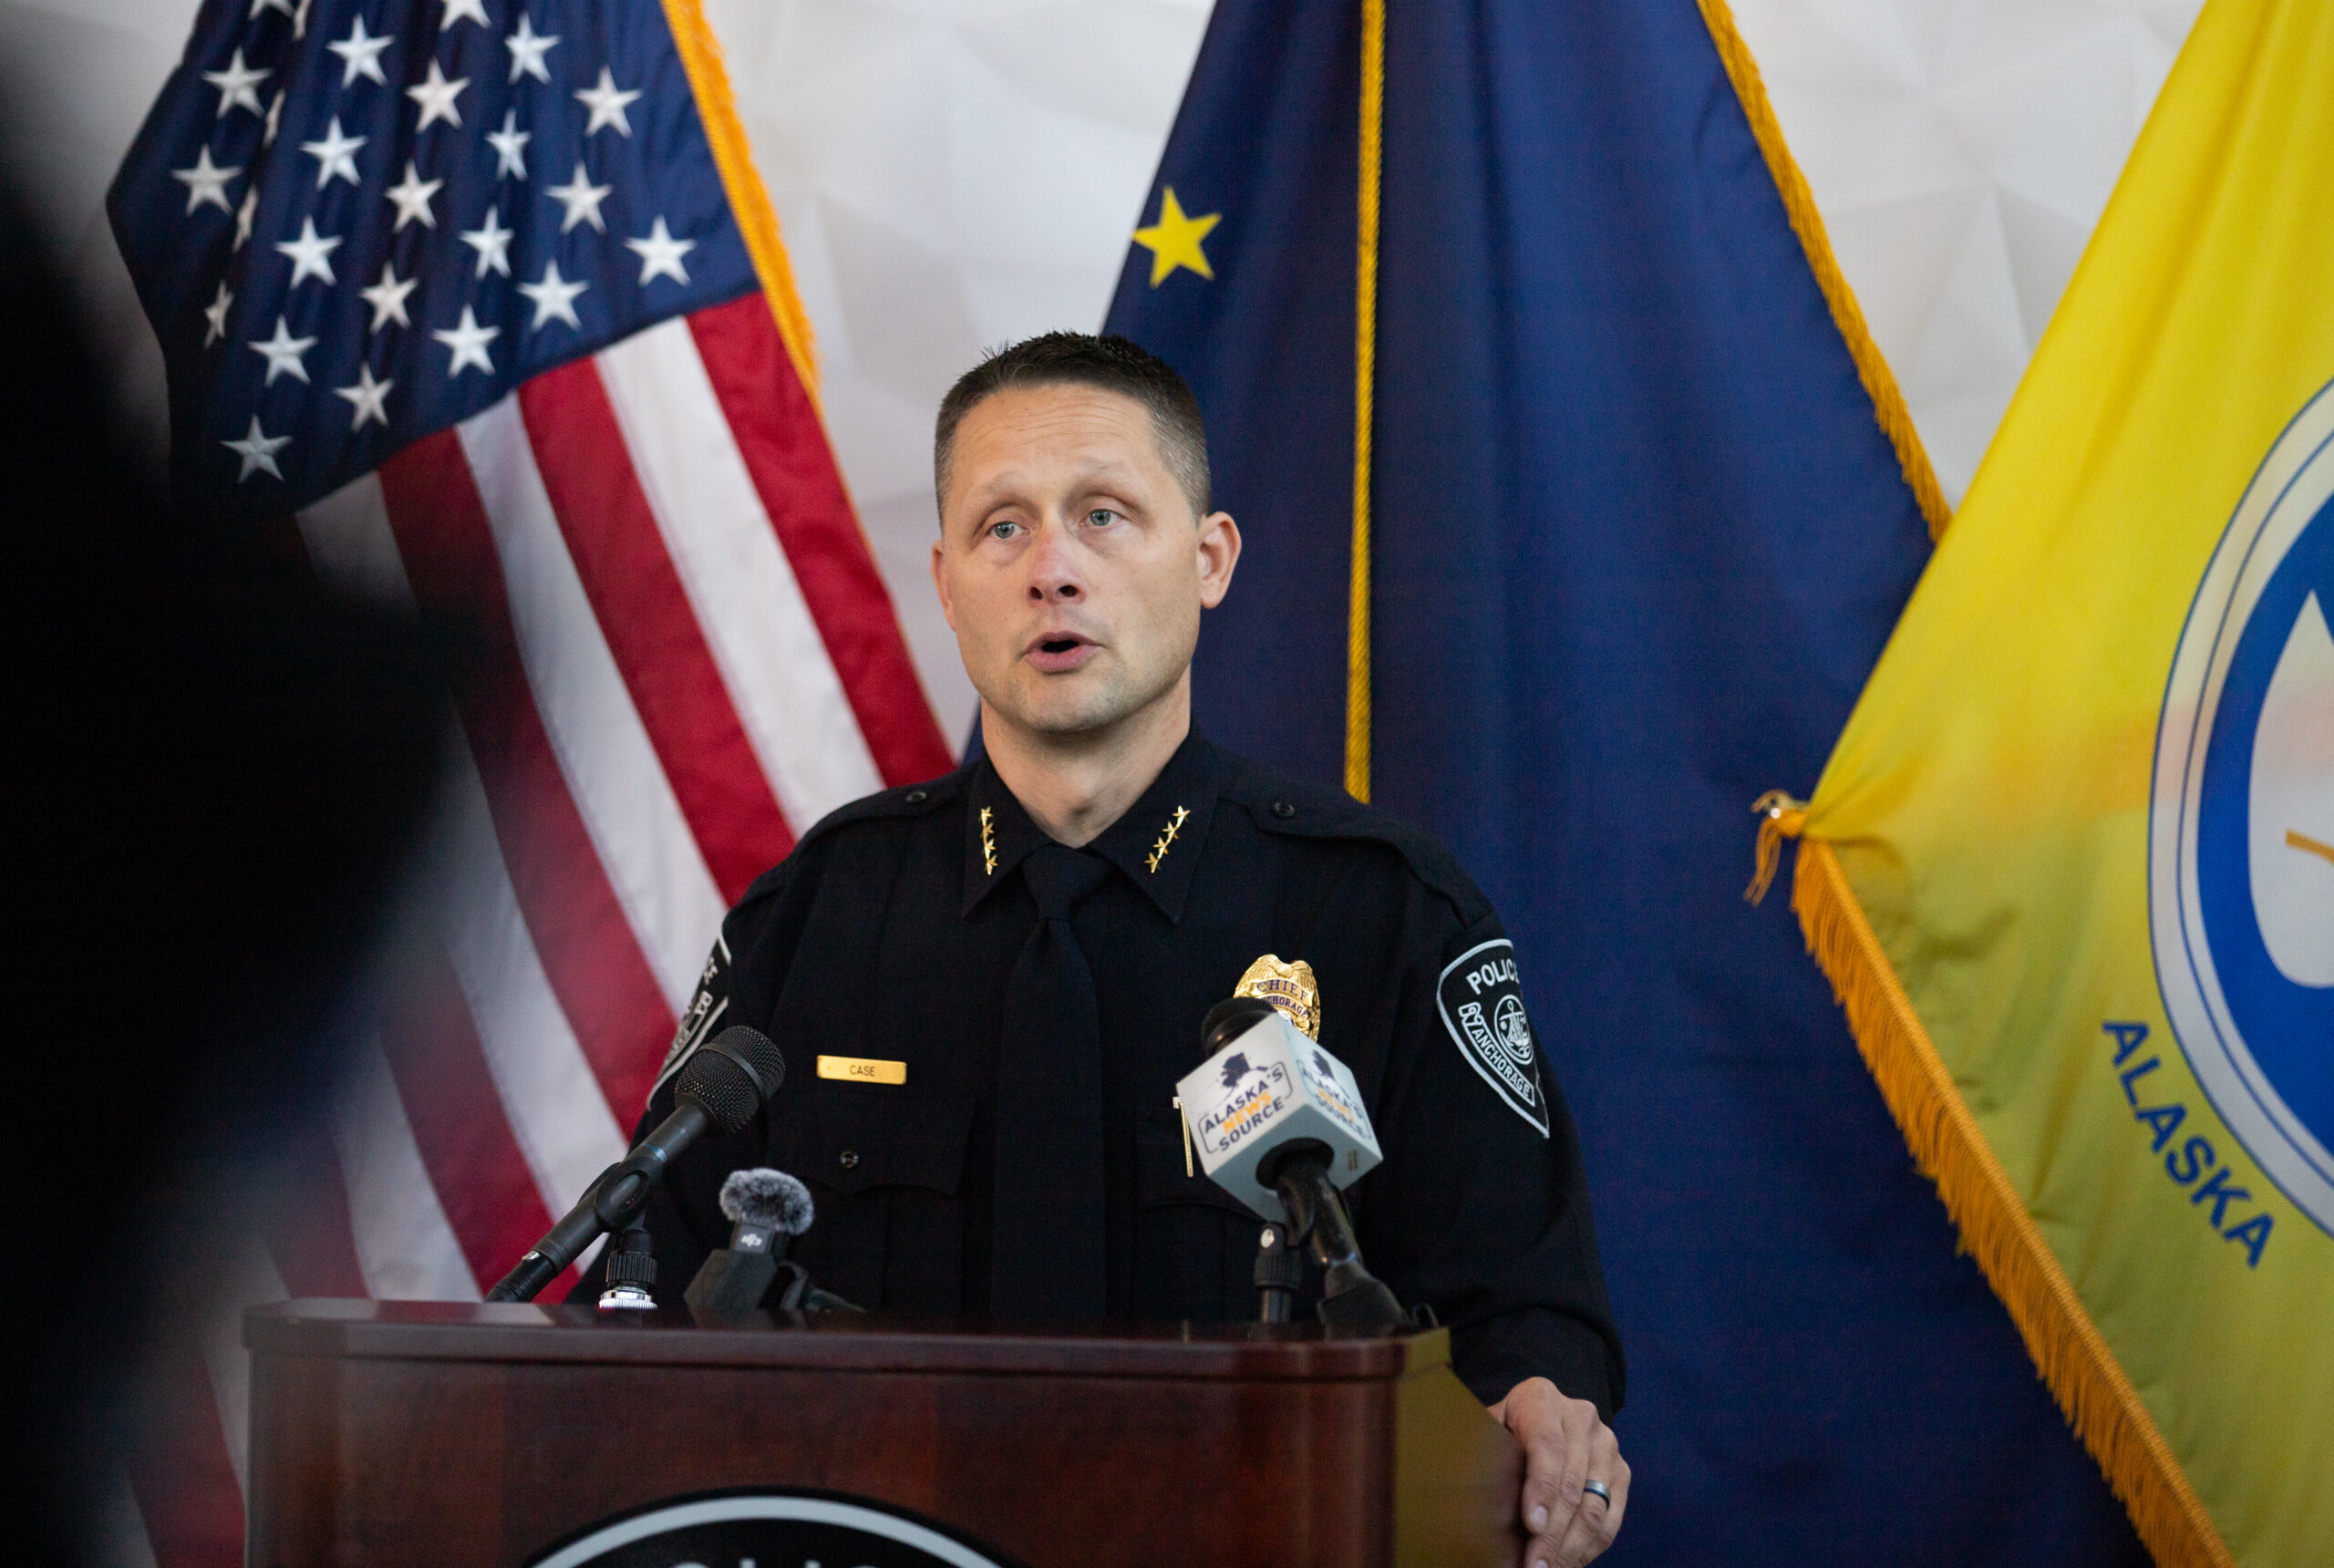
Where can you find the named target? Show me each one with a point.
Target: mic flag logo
(1246, 1108)
(1482, 1007)
(2241, 819)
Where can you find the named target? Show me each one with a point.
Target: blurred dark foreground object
(214, 767)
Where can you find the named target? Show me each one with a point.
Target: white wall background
(957, 173)
(1961, 151)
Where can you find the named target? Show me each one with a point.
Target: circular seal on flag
(765, 1526)
(2241, 821)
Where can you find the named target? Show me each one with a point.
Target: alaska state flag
(2072, 864)
(1510, 292)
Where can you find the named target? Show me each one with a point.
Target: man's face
(1069, 564)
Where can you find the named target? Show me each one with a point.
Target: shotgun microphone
(724, 1085)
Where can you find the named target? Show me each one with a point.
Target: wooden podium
(425, 1435)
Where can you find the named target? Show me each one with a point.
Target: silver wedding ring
(1598, 1489)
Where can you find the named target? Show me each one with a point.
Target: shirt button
(917, 797)
(1283, 810)
(848, 1160)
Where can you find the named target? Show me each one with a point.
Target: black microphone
(767, 1209)
(725, 1082)
(1229, 1020)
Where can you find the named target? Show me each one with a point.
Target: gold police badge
(1289, 987)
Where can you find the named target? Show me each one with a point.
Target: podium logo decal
(2241, 821)
(767, 1530)
(1482, 1006)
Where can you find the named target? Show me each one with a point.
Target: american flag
(485, 295)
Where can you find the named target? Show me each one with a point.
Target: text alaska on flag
(483, 293)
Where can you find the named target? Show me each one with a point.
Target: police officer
(1001, 974)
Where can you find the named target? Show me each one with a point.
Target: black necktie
(1047, 1261)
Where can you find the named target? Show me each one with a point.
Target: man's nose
(1053, 567)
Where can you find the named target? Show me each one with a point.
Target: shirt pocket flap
(853, 1137)
(1159, 1166)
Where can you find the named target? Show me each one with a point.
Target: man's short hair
(1112, 363)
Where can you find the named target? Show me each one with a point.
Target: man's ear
(940, 584)
(1219, 554)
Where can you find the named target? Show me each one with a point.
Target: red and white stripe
(685, 657)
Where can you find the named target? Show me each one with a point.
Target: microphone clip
(1352, 1298)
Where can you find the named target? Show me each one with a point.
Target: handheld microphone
(725, 1084)
(1278, 1123)
(767, 1209)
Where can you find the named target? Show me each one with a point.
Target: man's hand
(1565, 1446)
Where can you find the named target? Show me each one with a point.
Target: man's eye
(1101, 517)
(1004, 530)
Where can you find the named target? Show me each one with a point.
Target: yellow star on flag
(1174, 241)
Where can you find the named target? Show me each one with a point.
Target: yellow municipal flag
(2071, 865)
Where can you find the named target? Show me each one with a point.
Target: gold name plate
(860, 1069)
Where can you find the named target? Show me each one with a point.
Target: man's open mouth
(1062, 651)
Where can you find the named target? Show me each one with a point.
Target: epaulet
(908, 800)
(1293, 808)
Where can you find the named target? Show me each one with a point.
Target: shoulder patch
(1482, 1006)
(704, 1013)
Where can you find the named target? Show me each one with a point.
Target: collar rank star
(1289, 987)
(988, 841)
(1159, 849)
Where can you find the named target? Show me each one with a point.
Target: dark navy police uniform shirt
(890, 932)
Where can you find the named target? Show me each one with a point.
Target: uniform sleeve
(1481, 1209)
(738, 985)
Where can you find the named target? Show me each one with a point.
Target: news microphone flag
(1271, 1085)
(2072, 863)
(1578, 506)
(486, 296)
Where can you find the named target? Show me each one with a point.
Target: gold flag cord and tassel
(1951, 1150)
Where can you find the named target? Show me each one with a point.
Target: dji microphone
(1278, 1123)
(725, 1082)
(767, 1209)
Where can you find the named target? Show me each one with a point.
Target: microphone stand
(1351, 1296)
(631, 1270)
(611, 1205)
(1279, 1275)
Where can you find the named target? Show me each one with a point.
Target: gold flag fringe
(1872, 368)
(1951, 1150)
(716, 107)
